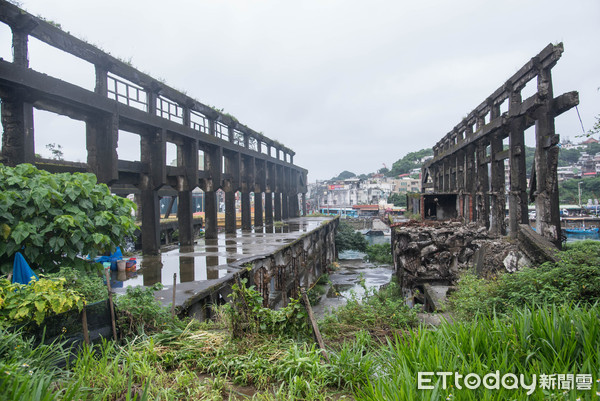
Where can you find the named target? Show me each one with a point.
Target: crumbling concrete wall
(436, 252)
(276, 275)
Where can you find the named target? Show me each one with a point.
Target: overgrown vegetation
(380, 312)
(87, 282)
(55, 219)
(530, 341)
(380, 253)
(246, 315)
(575, 279)
(346, 238)
(138, 312)
(35, 301)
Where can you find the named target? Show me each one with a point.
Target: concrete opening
(440, 207)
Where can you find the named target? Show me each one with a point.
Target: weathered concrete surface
(276, 260)
(536, 247)
(435, 296)
(435, 252)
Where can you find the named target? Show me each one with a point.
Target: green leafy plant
(346, 238)
(576, 278)
(381, 312)
(247, 315)
(53, 219)
(86, 282)
(20, 303)
(380, 253)
(138, 312)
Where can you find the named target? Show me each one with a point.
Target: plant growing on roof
(55, 218)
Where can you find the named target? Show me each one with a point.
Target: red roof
(366, 207)
(590, 140)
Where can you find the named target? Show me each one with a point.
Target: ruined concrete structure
(277, 275)
(466, 177)
(236, 158)
(436, 252)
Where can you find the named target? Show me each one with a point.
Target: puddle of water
(345, 282)
(209, 259)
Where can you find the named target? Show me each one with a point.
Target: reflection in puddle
(209, 259)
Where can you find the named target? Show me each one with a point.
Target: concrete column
(518, 182)
(150, 222)
(285, 206)
(546, 161)
(17, 139)
(277, 206)
(258, 209)
(293, 201)
(230, 217)
(210, 214)
(102, 133)
(304, 204)
(470, 176)
(483, 203)
(498, 203)
(246, 213)
(185, 217)
(268, 208)
(460, 181)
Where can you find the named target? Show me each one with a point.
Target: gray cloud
(348, 85)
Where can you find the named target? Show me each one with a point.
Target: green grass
(560, 339)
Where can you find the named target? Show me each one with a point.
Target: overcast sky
(347, 84)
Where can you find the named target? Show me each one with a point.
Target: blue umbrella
(22, 273)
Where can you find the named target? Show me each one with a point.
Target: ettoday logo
(509, 381)
(471, 381)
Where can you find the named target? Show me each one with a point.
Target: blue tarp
(117, 255)
(22, 273)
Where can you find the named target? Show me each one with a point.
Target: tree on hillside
(398, 200)
(344, 175)
(410, 161)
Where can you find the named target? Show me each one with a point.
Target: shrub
(89, 284)
(380, 253)
(246, 314)
(346, 238)
(53, 218)
(20, 303)
(138, 312)
(575, 279)
(377, 311)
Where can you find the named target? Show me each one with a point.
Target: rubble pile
(435, 252)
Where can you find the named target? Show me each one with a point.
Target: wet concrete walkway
(210, 263)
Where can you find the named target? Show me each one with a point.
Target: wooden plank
(313, 322)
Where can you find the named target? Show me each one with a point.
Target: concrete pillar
(285, 206)
(210, 214)
(230, 216)
(150, 222)
(277, 206)
(246, 213)
(102, 134)
(518, 182)
(258, 209)
(470, 177)
(304, 204)
(268, 208)
(498, 203)
(546, 162)
(185, 217)
(482, 199)
(17, 138)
